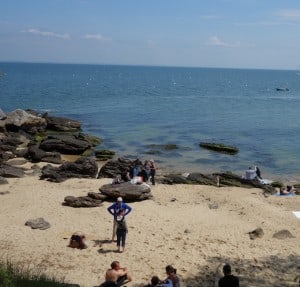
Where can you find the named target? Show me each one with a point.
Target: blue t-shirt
(116, 207)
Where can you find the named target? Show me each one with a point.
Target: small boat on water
(282, 89)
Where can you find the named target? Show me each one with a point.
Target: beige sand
(177, 227)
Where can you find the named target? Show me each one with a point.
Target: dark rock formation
(216, 179)
(11, 171)
(104, 154)
(38, 223)
(114, 167)
(35, 154)
(130, 192)
(22, 120)
(82, 201)
(30, 134)
(66, 144)
(81, 168)
(62, 124)
(219, 147)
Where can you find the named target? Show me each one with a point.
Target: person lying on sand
(288, 190)
(117, 274)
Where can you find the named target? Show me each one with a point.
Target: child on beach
(121, 230)
(172, 278)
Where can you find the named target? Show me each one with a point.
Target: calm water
(134, 107)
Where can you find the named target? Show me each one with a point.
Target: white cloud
(216, 41)
(289, 14)
(47, 34)
(97, 37)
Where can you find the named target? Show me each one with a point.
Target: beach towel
(265, 181)
(285, 195)
(297, 214)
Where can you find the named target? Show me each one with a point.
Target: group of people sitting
(289, 190)
(255, 174)
(117, 276)
(138, 173)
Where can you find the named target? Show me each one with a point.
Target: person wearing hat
(114, 210)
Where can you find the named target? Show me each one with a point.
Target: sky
(260, 34)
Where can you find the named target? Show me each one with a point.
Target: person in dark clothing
(154, 282)
(258, 172)
(228, 280)
(121, 230)
(152, 171)
(114, 210)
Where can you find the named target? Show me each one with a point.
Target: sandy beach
(178, 226)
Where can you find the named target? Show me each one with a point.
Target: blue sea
(134, 107)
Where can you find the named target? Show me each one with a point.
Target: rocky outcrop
(42, 138)
(9, 171)
(66, 144)
(104, 154)
(62, 124)
(35, 154)
(216, 179)
(22, 120)
(81, 201)
(81, 168)
(114, 167)
(219, 147)
(130, 192)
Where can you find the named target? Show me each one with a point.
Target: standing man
(114, 210)
(228, 280)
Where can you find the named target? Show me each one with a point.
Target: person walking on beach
(114, 211)
(122, 230)
(228, 280)
(117, 274)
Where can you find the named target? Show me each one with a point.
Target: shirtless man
(117, 274)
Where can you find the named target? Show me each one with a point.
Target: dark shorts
(121, 280)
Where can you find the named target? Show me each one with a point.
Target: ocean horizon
(137, 110)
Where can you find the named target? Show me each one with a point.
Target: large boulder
(35, 154)
(81, 168)
(11, 171)
(22, 120)
(62, 124)
(130, 192)
(66, 144)
(114, 167)
(81, 201)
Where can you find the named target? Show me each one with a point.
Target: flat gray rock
(38, 223)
